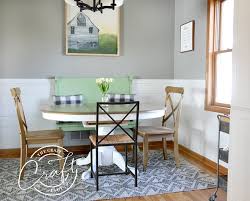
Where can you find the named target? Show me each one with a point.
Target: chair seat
(152, 131)
(117, 139)
(44, 135)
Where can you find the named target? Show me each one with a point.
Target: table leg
(84, 161)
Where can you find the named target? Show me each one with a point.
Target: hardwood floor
(201, 195)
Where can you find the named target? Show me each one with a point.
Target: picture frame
(187, 34)
(89, 33)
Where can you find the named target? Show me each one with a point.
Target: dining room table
(86, 113)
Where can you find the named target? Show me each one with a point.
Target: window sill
(218, 109)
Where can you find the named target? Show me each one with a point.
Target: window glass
(72, 30)
(90, 30)
(224, 78)
(226, 37)
(81, 20)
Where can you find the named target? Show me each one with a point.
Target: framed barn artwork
(92, 33)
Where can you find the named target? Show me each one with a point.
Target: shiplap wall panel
(35, 93)
(198, 128)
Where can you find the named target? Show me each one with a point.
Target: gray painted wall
(32, 45)
(191, 65)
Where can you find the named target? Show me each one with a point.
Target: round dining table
(87, 113)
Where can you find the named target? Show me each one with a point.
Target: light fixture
(95, 5)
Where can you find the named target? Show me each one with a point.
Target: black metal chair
(124, 139)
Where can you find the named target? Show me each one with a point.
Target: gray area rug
(161, 177)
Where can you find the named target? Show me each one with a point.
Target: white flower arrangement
(104, 84)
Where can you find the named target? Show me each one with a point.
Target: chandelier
(95, 5)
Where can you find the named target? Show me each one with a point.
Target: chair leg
(97, 173)
(61, 153)
(176, 154)
(164, 144)
(26, 151)
(126, 159)
(91, 160)
(136, 164)
(133, 152)
(23, 158)
(145, 152)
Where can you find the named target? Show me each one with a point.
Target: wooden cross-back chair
(33, 137)
(167, 134)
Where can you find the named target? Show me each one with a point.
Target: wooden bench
(91, 94)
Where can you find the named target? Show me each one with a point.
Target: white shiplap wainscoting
(35, 92)
(198, 128)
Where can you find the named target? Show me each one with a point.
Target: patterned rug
(161, 177)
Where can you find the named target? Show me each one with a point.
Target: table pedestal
(107, 156)
(103, 153)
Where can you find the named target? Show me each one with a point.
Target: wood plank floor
(200, 195)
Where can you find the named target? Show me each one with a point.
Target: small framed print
(187, 36)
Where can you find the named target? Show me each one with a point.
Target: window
(72, 30)
(81, 20)
(219, 55)
(90, 30)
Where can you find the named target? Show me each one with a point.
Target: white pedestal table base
(107, 156)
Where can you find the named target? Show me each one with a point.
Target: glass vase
(104, 98)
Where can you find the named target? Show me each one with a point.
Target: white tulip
(98, 81)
